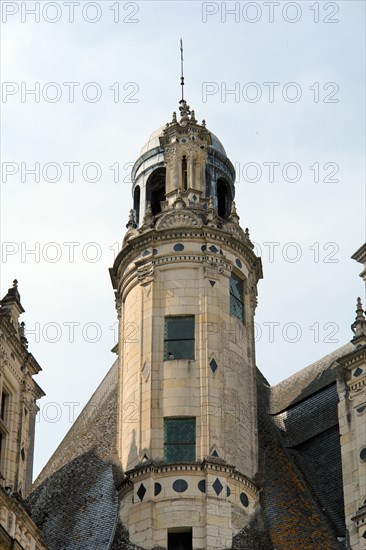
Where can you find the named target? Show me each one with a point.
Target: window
(179, 439)
(136, 204)
(223, 199)
(179, 338)
(3, 405)
(180, 540)
(155, 189)
(184, 173)
(236, 297)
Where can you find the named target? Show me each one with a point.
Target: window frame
(235, 299)
(167, 340)
(174, 444)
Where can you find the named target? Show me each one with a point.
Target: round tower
(186, 285)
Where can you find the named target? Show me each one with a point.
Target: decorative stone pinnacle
(15, 283)
(204, 123)
(233, 214)
(174, 119)
(359, 326)
(148, 208)
(193, 118)
(131, 220)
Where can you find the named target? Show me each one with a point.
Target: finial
(359, 326)
(174, 119)
(184, 112)
(204, 123)
(181, 70)
(193, 118)
(148, 208)
(131, 220)
(15, 283)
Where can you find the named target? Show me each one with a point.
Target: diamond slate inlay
(141, 491)
(358, 372)
(194, 197)
(364, 535)
(145, 253)
(214, 453)
(228, 492)
(217, 485)
(212, 283)
(213, 365)
(213, 248)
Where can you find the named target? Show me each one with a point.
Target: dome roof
(153, 142)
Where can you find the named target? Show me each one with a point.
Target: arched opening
(155, 189)
(184, 173)
(223, 199)
(136, 204)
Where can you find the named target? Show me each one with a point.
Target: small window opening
(136, 204)
(184, 173)
(180, 540)
(4, 405)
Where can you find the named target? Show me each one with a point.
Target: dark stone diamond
(180, 485)
(215, 453)
(212, 283)
(364, 535)
(202, 486)
(238, 263)
(213, 248)
(363, 454)
(157, 489)
(194, 197)
(178, 247)
(213, 365)
(145, 253)
(357, 372)
(361, 409)
(244, 500)
(217, 485)
(141, 491)
(155, 251)
(203, 248)
(228, 492)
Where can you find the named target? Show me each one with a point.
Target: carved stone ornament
(236, 231)
(211, 269)
(178, 218)
(145, 273)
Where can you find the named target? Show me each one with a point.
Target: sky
(84, 84)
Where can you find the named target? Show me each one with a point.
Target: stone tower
(186, 285)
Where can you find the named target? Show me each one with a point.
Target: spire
(359, 326)
(181, 70)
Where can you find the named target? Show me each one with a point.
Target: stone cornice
(14, 504)
(207, 465)
(152, 236)
(353, 359)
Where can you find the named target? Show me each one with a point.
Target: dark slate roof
(307, 381)
(75, 502)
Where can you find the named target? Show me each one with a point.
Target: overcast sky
(293, 125)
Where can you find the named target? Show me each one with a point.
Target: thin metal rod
(181, 69)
